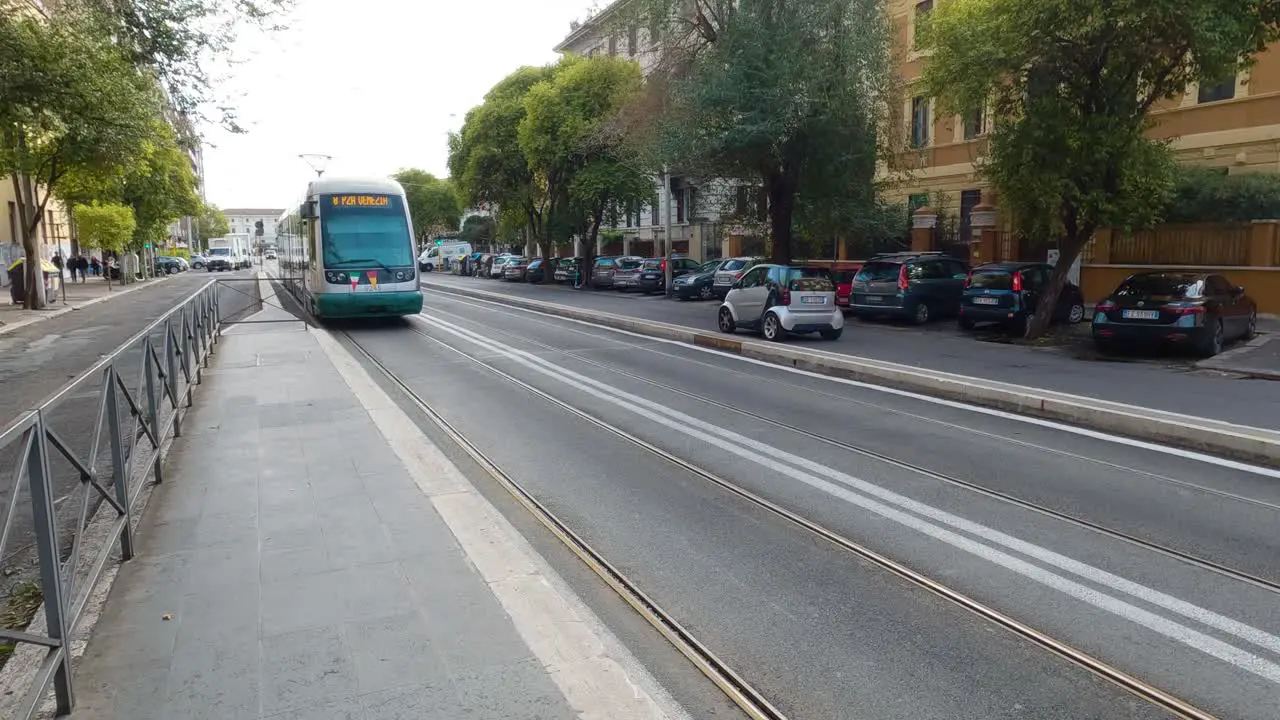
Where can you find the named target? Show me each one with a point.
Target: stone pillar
(577, 246)
(923, 223)
(842, 248)
(984, 237)
(1264, 236)
(626, 244)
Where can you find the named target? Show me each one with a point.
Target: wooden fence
(1193, 245)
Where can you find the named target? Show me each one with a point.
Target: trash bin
(17, 285)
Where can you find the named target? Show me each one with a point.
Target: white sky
(377, 84)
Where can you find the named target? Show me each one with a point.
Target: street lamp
(317, 162)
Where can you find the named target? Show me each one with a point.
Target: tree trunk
(1070, 248)
(782, 198)
(29, 216)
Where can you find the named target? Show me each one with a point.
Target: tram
(347, 250)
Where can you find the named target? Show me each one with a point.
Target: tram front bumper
(368, 304)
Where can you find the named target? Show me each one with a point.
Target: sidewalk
(296, 565)
(78, 295)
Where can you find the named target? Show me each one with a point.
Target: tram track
(1134, 685)
(1220, 569)
(750, 700)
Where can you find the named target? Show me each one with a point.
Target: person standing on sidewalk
(82, 264)
(95, 266)
(57, 262)
(73, 264)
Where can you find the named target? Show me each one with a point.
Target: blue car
(1008, 293)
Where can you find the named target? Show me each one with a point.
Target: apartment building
(1233, 125)
(690, 205)
(244, 221)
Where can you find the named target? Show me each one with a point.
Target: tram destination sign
(361, 201)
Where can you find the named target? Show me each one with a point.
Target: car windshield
(991, 280)
(219, 251)
(604, 262)
(356, 229)
(734, 265)
(652, 264)
(878, 272)
(1160, 286)
(709, 266)
(809, 279)
(629, 264)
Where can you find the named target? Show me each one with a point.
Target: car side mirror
(1238, 291)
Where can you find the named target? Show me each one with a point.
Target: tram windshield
(361, 230)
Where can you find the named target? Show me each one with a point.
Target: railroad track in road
(738, 690)
(1134, 685)
(1179, 555)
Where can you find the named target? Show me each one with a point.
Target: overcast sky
(377, 84)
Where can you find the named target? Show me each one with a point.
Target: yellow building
(1234, 125)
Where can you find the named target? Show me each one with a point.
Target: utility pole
(666, 273)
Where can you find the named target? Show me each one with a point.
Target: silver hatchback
(782, 299)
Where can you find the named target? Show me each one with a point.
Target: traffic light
(147, 246)
(257, 226)
(439, 241)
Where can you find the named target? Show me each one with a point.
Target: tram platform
(300, 560)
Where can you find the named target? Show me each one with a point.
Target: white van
(432, 258)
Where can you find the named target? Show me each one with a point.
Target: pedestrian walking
(73, 264)
(57, 262)
(95, 266)
(82, 264)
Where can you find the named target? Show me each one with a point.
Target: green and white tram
(347, 250)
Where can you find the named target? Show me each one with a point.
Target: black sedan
(1194, 309)
(697, 284)
(537, 270)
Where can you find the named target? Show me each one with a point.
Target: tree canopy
(105, 226)
(433, 202)
(787, 95)
(210, 222)
(1069, 86)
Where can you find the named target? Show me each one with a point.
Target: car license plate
(986, 301)
(1141, 314)
(813, 300)
(651, 277)
(875, 300)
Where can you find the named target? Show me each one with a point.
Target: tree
(479, 230)
(210, 223)
(160, 187)
(1070, 86)
(433, 202)
(70, 103)
(175, 40)
(572, 143)
(485, 160)
(790, 95)
(105, 227)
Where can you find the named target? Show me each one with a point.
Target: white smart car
(782, 299)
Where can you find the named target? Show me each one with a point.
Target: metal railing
(76, 504)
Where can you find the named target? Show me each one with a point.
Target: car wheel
(966, 323)
(1075, 314)
(705, 293)
(831, 333)
(1252, 329)
(921, 314)
(1211, 344)
(725, 321)
(771, 328)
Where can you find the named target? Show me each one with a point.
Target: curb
(1223, 362)
(10, 327)
(1190, 433)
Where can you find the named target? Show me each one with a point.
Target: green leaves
(433, 202)
(105, 227)
(210, 223)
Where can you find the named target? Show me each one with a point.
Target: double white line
(931, 521)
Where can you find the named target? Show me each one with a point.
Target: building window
(680, 204)
(632, 41)
(974, 124)
(969, 199)
(923, 9)
(13, 223)
(653, 216)
(613, 45)
(1224, 89)
(919, 122)
(655, 32)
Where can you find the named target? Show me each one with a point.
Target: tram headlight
(343, 279)
(331, 276)
(400, 275)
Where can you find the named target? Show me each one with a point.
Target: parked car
(915, 286)
(602, 272)
(653, 273)
(842, 276)
(626, 273)
(782, 299)
(197, 262)
(1009, 293)
(697, 284)
(499, 265)
(730, 272)
(170, 265)
(1200, 310)
(566, 268)
(514, 268)
(537, 271)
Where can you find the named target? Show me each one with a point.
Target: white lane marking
(650, 342)
(1040, 422)
(598, 676)
(765, 455)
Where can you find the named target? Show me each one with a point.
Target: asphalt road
(1168, 383)
(820, 631)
